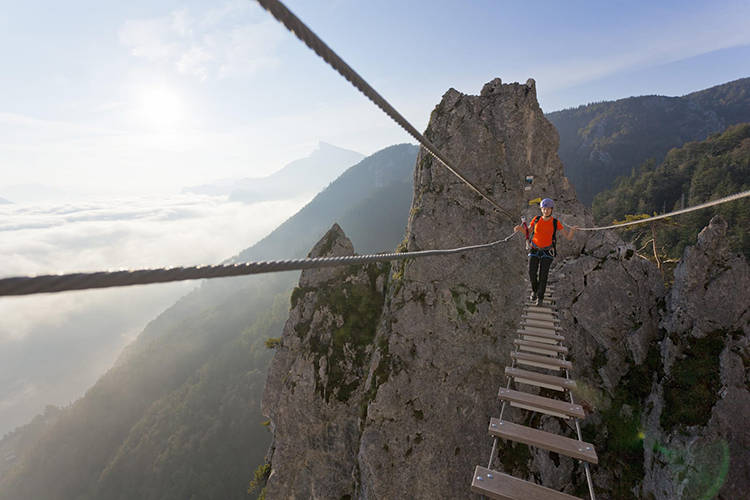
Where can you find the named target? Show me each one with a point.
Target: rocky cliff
(386, 377)
(697, 440)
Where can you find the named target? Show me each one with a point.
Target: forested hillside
(693, 174)
(603, 141)
(178, 416)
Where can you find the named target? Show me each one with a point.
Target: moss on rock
(692, 386)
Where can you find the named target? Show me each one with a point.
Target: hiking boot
(540, 301)
(533, 297)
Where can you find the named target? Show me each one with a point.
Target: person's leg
(533, 271)
(544, 265)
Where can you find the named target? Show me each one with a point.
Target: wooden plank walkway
(539, 346)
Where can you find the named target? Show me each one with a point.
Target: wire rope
(309, 38)
(27, 285)
(719, 201)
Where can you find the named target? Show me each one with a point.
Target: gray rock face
(420, 394)
(386, 377)
(316, 380)
(450, 321)
(697, 439)
(708, 293)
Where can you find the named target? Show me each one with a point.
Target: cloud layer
(53, 347)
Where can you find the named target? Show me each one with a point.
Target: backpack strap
(554, 236)
(532, 227)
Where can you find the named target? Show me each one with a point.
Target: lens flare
(701, 470)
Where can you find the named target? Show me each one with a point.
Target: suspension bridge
(540, 342)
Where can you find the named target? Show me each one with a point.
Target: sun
(160, 108)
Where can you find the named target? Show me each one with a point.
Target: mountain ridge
(207, 349)
(602, 141)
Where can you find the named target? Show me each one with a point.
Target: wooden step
(549, 301)
(541, 309)
(544, 326)
(541, 337)
(540, 317)
(500, 486)
(542, 439)
(540, 332)
(537, 350)
(542, 329)
(540, 379)
(527, 345)
(540, 404)
(550, 325)
(541, 361)
(548, 294)
(549, 311)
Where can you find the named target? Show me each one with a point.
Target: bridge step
(497, 485)
(539, 323)
(540, 316)
(547, 289)
(542, 439)
(541, 329)
(540, 404)
(541, 361)
(541, 309)
(549, 349)
(540, 336)
(548, 301)
(540, 379)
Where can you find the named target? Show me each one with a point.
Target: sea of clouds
(55, 346)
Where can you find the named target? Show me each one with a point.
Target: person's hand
(516, 229)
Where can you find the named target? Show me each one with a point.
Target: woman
(542, 241)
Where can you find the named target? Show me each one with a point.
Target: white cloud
(231, 40)
(54, 346)
(131, 232)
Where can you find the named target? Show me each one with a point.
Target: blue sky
(147, 97)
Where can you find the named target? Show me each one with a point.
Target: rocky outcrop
(611, 301)
(449, 322)
(386, 377)
(316, 384)
(419, 396)
(697, 441)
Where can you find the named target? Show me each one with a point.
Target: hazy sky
(55, 346)
(145, 96)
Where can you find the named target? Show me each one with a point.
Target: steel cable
(726, 199)
(27, 285)
(309, 38)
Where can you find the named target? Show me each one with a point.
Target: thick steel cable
(726, 199)
(309, 38)
(27, 285)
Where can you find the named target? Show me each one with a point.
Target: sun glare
(160, 108)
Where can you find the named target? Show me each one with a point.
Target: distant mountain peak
(326, 148)
(306, 175)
